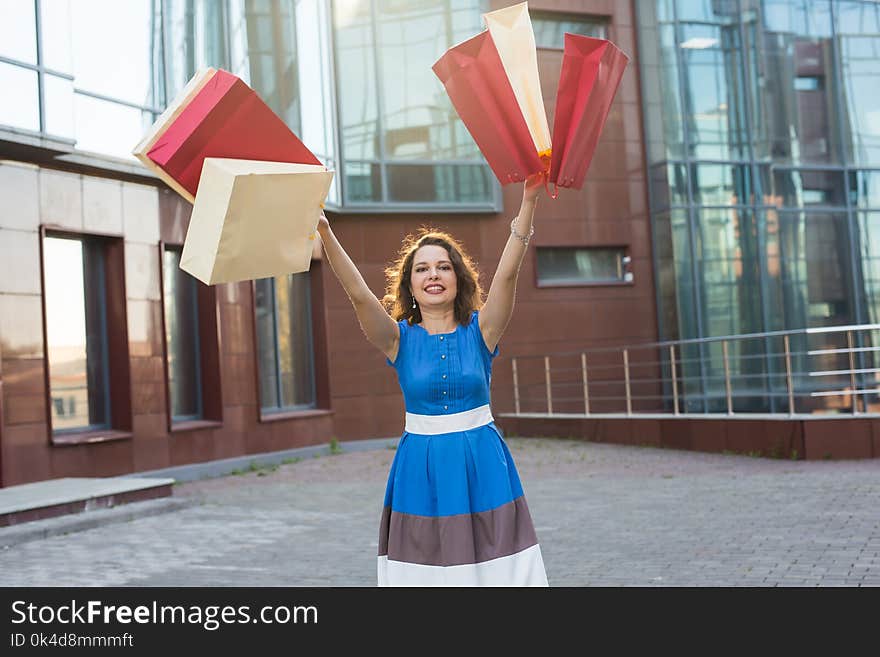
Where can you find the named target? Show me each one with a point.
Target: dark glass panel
(182, 338)
(266, 343)
(420, 183)
(295, 355)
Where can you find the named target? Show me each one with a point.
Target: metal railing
(828, 370)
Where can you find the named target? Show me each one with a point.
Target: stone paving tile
(606, 515)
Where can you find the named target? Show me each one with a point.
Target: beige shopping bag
(254, 219)
(166, 118)
(511, 30)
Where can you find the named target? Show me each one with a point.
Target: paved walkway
(606, 515)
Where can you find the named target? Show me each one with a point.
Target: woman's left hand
(532, 186)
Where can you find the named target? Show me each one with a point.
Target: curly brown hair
(398, 297)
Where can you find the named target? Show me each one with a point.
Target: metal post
(586, 389)
(626, 375)
(547, 379)
(727, 378)
(515, 387)
(674, 379)
(852, 373)
(787, 346)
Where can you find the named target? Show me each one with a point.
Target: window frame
(118, 372)
(208, 340)
(627, 266)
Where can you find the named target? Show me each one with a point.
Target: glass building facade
(763, 145)
(373, 113)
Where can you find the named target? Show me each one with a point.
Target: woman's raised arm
(498, 308)
(377, 325)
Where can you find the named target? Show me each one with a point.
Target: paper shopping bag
(589, 78)
(511, 31)
(477, 85)
(224, 118)
(253, 219)
(167, 118)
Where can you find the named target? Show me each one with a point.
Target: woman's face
(433, 280)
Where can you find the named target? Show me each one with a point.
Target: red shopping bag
(590, 75)
(226, 119)
(480, 91)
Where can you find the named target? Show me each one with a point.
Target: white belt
(434, 424)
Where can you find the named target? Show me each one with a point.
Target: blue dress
(454, 511)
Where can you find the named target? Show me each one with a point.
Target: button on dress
(454, 510)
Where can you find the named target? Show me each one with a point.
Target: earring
(414, 302)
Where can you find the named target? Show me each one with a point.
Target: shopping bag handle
(545, 156)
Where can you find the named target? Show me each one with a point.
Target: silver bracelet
(522, 238)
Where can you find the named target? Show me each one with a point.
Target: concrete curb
(40, 529)
(224, 467)
(92, 518)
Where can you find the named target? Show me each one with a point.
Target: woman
(454, 510)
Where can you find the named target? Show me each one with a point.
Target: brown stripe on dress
(456, 540)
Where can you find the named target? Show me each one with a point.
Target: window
(284, 343)
(194, 38)
(267, 54)
(550, 27)
(192, 347)
(402, 143)
(76, 333)
(69, 88)
(181, 338)
(315, 74)
(582, 265)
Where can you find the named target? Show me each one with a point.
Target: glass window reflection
(550, 28)
(438, 183)
(576, 266)
(108, 128)
(56, 47)
(127, 75)
(315, 79)
(392, 111)
(869, 243)
(76, 333)
(859, 56)
(865, 189)
(18, 31)
(856, 16)
(357, 87)
(803, 188)
(20, 107)
(59, 106)
(727, 253)
(271, 44)
(668, 185)
(363, 182)
(293, 303)
(684, 273)
(797, 117)
(797, 17)
(720, 184)
(284, 336)
(414, 103)
(706, 11)
(266, 340)
(182, 338)
(713, 94)
(812, 282)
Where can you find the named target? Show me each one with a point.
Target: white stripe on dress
(525, 568)
(435, 424)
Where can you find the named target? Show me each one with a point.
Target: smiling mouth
(434, 289)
